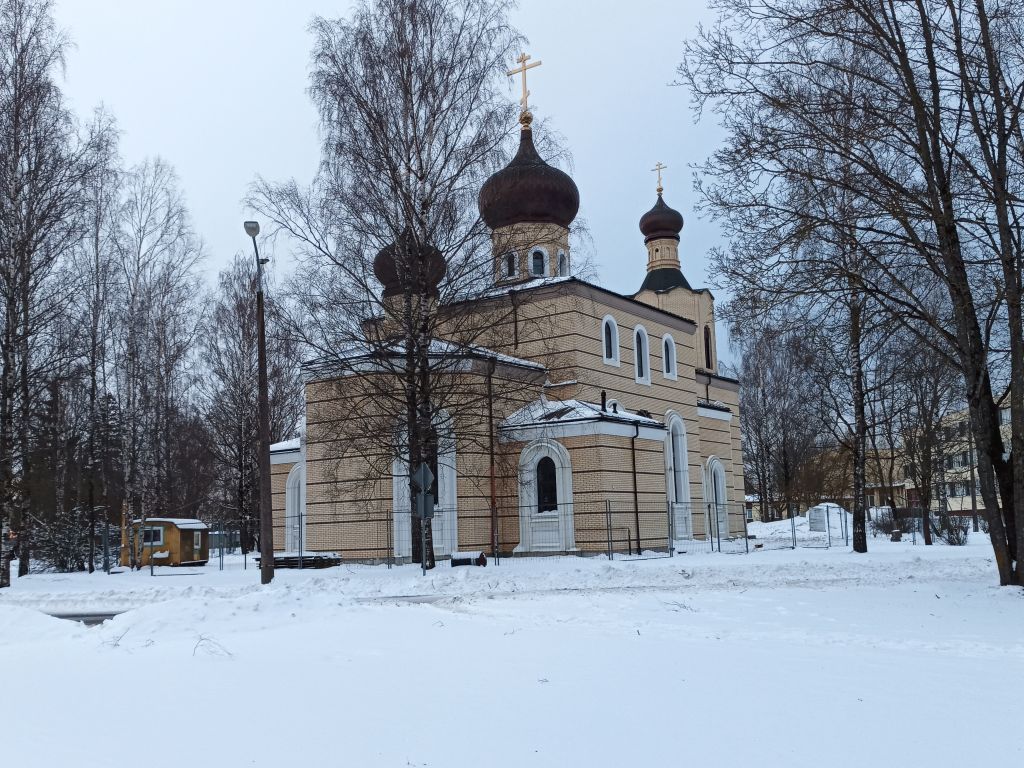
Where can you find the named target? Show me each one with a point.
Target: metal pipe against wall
(636, 490)
(490, 438)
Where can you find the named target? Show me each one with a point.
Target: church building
(612, 430)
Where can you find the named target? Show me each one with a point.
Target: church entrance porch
(545, 498)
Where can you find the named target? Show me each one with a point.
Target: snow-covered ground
(905, 656)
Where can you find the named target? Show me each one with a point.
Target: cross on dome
(658, 168)
(521, 70)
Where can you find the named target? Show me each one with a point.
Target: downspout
(636, 492)
(514, 295)
(490, 438)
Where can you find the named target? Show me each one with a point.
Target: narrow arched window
(709, 360)
(563, 265)
(510, 265)
(643, 368)
(537, 259)
(610, 340)
(547, 485)
(679, 463)
(668, 356)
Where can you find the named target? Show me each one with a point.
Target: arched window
(563, 264)
(610, 340)
(715, 496)
(677, 476)
(510, 265)
(668, 356)
(537, 262)
(709, 360)
(641, 356)
(680, 480)
(547, 485)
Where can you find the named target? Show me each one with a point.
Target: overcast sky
(218, 88)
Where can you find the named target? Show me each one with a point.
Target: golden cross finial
(521, 70)
(658, 168)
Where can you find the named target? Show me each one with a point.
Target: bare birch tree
(924, 145)
(229, 390)
(415, 117)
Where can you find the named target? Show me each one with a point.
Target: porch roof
(544, 412)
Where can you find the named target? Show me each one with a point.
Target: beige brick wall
(349, 487)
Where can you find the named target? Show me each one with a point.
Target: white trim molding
(714, 413)
(545, 531)
(609, 322)
(670, 372)
(641, 354)
(529, 262)
(561, 430)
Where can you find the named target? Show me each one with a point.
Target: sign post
(423, 479)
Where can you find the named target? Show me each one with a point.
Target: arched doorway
(445, 524)
(545, 498)
(295, 509)
(677, 477)
(716, 497)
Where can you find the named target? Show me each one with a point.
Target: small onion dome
(396, 266)
(528, 190)
(661, 222)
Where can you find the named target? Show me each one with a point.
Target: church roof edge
(537, 285)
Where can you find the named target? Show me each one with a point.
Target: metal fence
(821, 527)
(619, 529)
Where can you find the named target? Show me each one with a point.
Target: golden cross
(521, 70)
(658, 168)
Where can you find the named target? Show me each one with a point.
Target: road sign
(423, 478)
(424, 505)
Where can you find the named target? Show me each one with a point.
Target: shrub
(953, 529)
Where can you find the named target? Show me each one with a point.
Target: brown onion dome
(528, 190)
(397, 264)
(661, 222)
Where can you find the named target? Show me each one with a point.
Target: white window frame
(638, 331)
(159, 542)
(670, 372)
(563, 261)
(606, 321)
(533, 252)
(506, 275)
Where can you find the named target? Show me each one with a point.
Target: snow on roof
(286, 445)
(354, 356)
(543, 282)
(545, 411)
(537, 282)
(183, 523)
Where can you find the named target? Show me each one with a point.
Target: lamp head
(252, 228)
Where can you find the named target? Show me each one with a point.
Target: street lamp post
(252, 228)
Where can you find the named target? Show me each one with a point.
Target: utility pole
(252, 228)
(970, 461)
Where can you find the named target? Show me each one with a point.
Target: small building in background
(166, 541)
